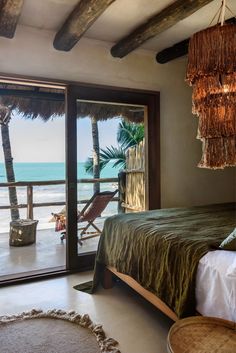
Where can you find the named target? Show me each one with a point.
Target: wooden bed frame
(149, 296)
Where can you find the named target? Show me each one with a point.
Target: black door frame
(109, 94)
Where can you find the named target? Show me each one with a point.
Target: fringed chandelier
(212, 73)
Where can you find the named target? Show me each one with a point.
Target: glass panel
(107, 134)
(32, 123)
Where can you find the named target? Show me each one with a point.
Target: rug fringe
(106, 345)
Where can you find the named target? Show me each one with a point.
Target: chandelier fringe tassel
(211, 52)
(218, 153)
(210, 126)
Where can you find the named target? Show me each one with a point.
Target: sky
(37, 141)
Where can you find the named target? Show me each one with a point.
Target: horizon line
(2, 162)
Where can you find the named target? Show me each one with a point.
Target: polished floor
(125, 316)
(48, 252)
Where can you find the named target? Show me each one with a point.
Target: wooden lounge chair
(92, 210)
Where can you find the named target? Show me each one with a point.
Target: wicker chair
(92, 210)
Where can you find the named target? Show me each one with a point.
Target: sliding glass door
(112, 162)
(32, 178)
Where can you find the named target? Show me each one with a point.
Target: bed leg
(107, 281)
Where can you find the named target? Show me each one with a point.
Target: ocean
(54, 193)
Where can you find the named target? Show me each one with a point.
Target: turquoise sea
(50, 171)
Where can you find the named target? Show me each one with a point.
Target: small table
(202, 335)
(22, 232)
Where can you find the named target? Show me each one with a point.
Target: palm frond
(129, 134)
(113, 154)
(88, 166)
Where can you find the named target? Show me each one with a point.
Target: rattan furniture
(202, 335)
(22, 232)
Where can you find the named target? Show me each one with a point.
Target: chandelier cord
(221, 13)
(218, 19)
(217, 13)
(227, 7)
(222, 19)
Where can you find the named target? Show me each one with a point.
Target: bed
(171, 257)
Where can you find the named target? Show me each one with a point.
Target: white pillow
(232, 269)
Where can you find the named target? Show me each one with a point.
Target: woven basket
(202, 335)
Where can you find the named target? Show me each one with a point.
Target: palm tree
(129, 135)
(5, 116)
(96, 156)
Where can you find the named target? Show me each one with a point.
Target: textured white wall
(182, 183)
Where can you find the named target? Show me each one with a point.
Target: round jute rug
(53, 331)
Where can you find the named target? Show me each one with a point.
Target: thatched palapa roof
(47, 103)
(33, 102)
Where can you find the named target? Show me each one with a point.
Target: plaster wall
(182, 183)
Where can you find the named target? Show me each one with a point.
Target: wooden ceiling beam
(81, 18)
(10, 11)
(174, 52)
(165, 19)
(179, 49)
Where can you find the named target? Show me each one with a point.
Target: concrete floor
(47, 252)
(125, 316)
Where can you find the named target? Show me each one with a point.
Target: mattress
(216, 285)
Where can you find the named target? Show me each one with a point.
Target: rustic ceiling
(121, 17)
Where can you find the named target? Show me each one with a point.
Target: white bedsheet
(216, 285)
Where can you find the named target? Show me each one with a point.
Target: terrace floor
(48, 252)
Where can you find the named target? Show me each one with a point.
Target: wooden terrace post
(30, 214)
(122, 190)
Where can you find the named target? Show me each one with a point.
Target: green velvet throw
(161, 249)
